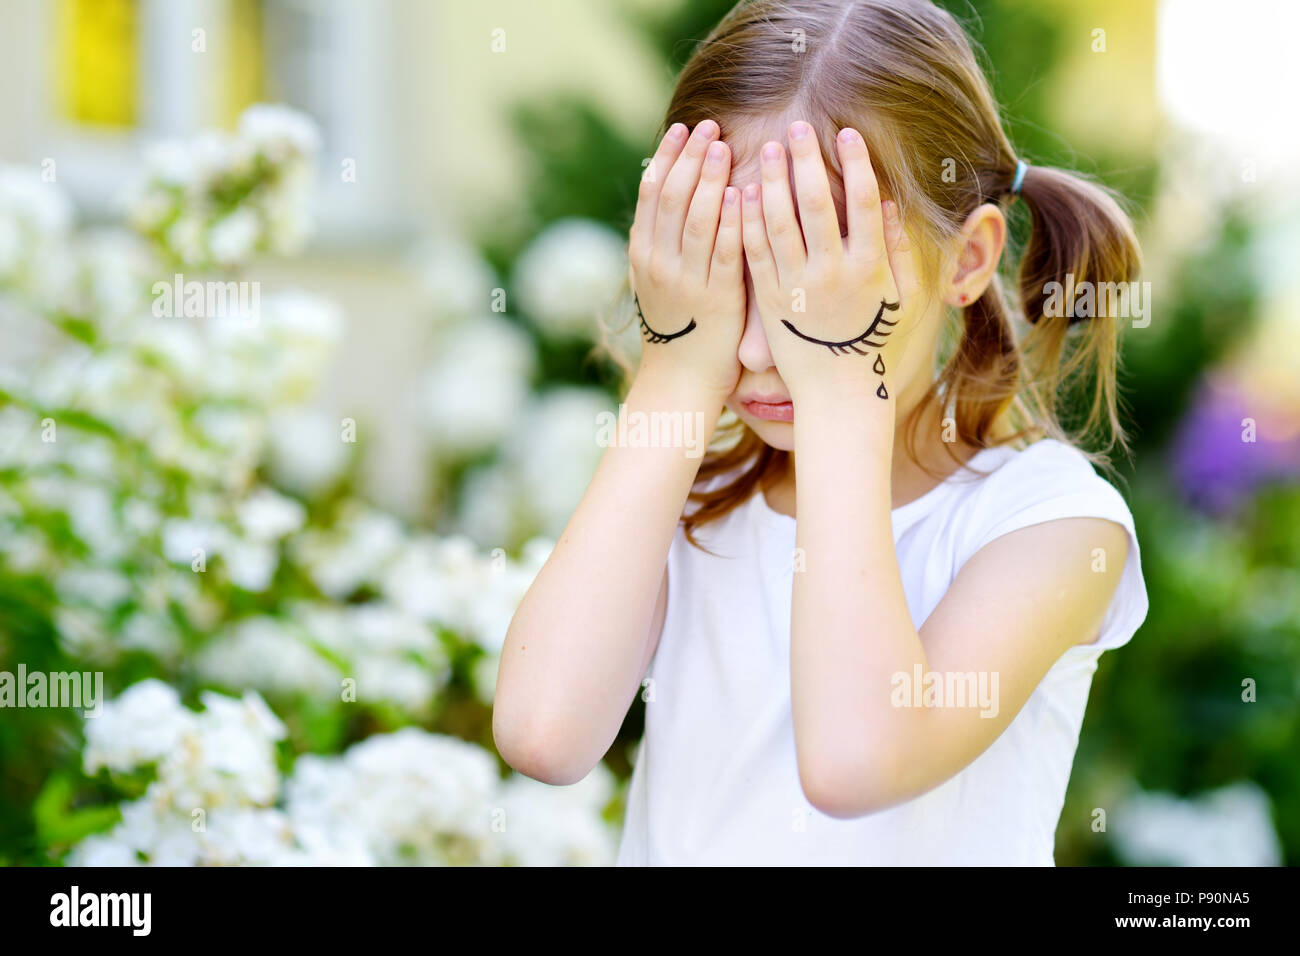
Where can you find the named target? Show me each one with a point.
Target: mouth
(770, 408)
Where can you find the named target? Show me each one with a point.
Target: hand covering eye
(874, 336)
(651, 335)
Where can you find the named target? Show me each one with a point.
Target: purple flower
(1216, 463)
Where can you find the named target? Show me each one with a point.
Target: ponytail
(1080, 241)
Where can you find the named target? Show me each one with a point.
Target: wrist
(846, 408)
(674, 388)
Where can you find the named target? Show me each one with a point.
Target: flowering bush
(408, 797)
(172, 508)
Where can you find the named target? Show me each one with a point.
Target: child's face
(760, 399)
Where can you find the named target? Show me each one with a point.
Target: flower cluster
(172, 503)
(408, 797)
(214, 200)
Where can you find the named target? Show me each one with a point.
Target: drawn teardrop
(881, 391)
(879, 367)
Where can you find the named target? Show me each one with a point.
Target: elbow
(536, 749)
(846, 788)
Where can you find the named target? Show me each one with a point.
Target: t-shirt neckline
(919, 504)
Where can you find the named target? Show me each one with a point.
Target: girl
(899, 675)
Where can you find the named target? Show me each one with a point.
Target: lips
(772, 408)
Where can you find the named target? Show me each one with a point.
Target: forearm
(851, 629)
(572, 657)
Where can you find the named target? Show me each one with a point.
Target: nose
(753, 351)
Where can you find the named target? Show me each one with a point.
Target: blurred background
(290, 532)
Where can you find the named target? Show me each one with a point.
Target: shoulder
(1046, 504)
(1050, 479)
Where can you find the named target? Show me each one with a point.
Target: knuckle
(671, 200)
(818, 202)
(659, 272)
(696, 227)
(866, 196)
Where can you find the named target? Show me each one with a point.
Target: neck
(908, 479)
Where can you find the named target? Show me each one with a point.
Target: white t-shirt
(716, 781)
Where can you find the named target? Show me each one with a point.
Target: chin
(779, 435)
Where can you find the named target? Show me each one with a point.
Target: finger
(727, 265)
(778, 211)
(679, 187)
(641, 238)
(861, 197)
(821, 224)
(902, 264)
(702, 217)
(758, 249)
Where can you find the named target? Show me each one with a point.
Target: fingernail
(799, 130)
(677, 131)
(772, 152)
(715, 153)
(729, 196)
(707, 129)
(848, 135)
(751, 192)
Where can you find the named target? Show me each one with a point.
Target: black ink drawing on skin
(874, 337)
(650, 334)
(879, 328)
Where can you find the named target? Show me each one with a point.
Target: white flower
(571, 275)
(306, 451)
(553, 453)
(408, 685)
(478, 383)
(270, 654)
(152, 633)
(186, 237)
(183, 539)
(279, 132)
(413, 797)
(266, 515)
(457, 280)
(491, 509)
(558, 826)
(142, 724)
(381, 628)
(250, 564)
(354, 551)
(38, 210)
(103, 850)
(101, 587)
(246, 836)
(234, 238)
(436, 580)
(1231, 826)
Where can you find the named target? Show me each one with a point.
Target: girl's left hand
(831, 305)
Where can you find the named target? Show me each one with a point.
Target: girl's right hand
(685, 262)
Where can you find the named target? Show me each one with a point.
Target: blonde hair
(903, 73)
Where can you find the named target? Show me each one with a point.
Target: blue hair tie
(1016, 183)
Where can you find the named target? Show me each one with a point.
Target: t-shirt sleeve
(1047, 481)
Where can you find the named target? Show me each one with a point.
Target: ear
(976, 255)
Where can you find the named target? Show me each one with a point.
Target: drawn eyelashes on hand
(650, 334)
(874, 337)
